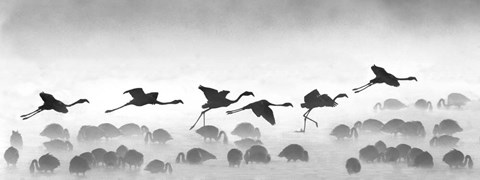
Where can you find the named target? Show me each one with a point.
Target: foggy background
(278, 49)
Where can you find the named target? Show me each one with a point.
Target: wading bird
(215, 100)
(49, 103)
(382, 76)
(260, 108)
(140, 99)
(313, 100)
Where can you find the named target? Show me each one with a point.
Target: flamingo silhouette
(216, 100)
(382, 76)
(140, 99)
(49, 103)
(260, 108)
(313, 100)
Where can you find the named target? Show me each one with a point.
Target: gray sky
(278, 49)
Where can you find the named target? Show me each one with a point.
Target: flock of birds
(250, 142)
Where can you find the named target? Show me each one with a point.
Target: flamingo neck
(76, 102)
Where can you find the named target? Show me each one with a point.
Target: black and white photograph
(240, 89)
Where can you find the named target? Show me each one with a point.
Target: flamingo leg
(354, 89)
(201, 114)
(30, 113)
(306, 117)
(234, 111)
(203, 119)
(109, 111)
(360, 90)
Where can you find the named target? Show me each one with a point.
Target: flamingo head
(287, 104)
(248, 93)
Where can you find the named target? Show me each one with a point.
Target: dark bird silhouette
(234, 157)
(55, 131)
(132, 129)
(343, 131)
(392, 154)
(89, 157)
(160, 135)
(314, 100)
(294, 152)
(381, 147)
(194, 156)
(423, 105)
(412, 154)
(403, 150)
(247, 143)
(353, 166)
(121, 151)
(45, 163)
(98, 154)
(389, 104)
(89, 133)
(49, 103)
(444, 141)
(393, 126)
(369, 125)
(261, 108)
(110, 130)
(58, 145)
(382, 76)
(423, 160)
(16, 140)
(369, 154)
(412, 129)
(453, 99)
(212, 132)
(447, 126)
(11, 156)
(156, 166)
(78, 165)
(133, 158)
(258, 154)
(456, 159)
(246, 130)
(215, 100)
(111, 159)
(141, 99)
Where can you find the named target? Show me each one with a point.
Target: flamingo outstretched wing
(154, 95)
(261, 109)
(136, 93)
(47, 97)
(212, 94)
(378, 71)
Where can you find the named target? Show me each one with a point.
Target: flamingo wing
(391, 80)
(261, 109)
(311, 97)
(379, 71)
(154, 95)
(136, 93)
(212, 94)
(327, 101)
(47, 97)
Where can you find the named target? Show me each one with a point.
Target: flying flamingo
(260, 108)
(313, 100)
(382, 76)
(216, 100)
(49, 103)
(140, 99)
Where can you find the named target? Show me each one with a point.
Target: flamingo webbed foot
(300, 131)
